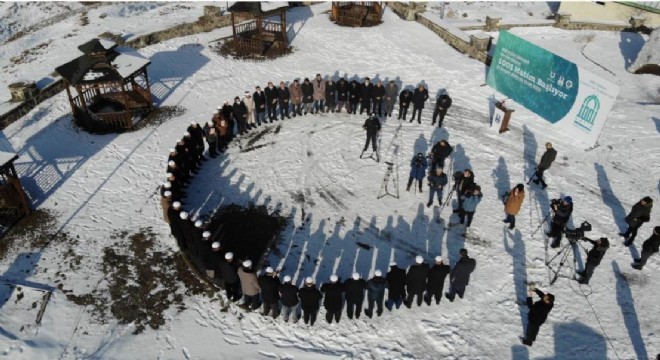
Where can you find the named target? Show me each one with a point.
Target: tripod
(392, 165)
(541, 224)
(562, 254)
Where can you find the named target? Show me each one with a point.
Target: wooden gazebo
(13, 201)
(112, 88)
(357, 13)
(258, 28)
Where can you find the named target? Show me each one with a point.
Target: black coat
(197, 134)
(396, 282)
(436, 278)
(307, 92)
(354, 92)
(187, 229)
(416, 278)
(379, 93)
(562, 213)
(652, 244)
(310, 298)
(269, 288)
(596, 254)
(639, 214)
(539, 310)
(213, 261)
(289, 294)
(355, 289)
(420, 97)
(330, 90)
(547, 159)
(372, 125)
(405, 98)
(440, 153)
(333, 295)
(463, 183)
(366, 91)
(271, 95)
(376, 288)
(342, 90)
(228, 271)
(175, 219)
(460, 274)
(283, 95)
(239, 110)
(227, 111)
(443, 103)
(259, 101)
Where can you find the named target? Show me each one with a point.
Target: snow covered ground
(102, 185)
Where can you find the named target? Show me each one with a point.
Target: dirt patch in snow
(159, 116)
(34, 231)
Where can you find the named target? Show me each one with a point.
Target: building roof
(257, 7)
(7, 153)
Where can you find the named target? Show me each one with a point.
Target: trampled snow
(100, 185)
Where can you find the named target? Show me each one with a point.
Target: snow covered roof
(257, 7)
(648, 59)
(7, 152)
(128, 63)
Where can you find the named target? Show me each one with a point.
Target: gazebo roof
(7, 153)
(257, 8)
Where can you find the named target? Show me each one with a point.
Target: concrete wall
(25, 107)
(459, 43)
(609, 11)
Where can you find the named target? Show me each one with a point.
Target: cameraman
(418, 166)
(463, 181)
(594, 256)
(562, 210)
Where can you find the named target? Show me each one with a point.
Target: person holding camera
(437, 182)
(372, 126)
(471, 199)
(640, 213)
(538, 313)
(594, 256)
(440, 151)
(562, 210)
(546, 161)
(418, 166)
(463, 181)
(512, 205)
(650, 247)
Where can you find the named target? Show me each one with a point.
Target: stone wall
(407, 10)
(473, 45)
(26, 106)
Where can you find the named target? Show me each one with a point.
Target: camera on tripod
(577, 234)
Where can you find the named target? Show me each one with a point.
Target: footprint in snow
(230, 341)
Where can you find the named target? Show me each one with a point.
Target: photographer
(437, 182)
(538, 312)
(470, 201)
(463, 181)
(418, 166)
(594, 256)
(562, 210)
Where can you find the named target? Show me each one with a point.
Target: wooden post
(233, 26)
(146, 77)
(82, 98)
(68, 94)
(285, 38)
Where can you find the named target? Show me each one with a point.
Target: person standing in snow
(650, 247)
(436, 281)
(227, 112)
(391, 91)
(463, 182)
(259, 105)
(186, 229)
(512, 205)
(289, 300)
(372, 126)
(319, 94)
(437, 182)
(333, 301)
(441, 106)
(354, 287)
(173, 213)
(342, 95)
(239, 111)
(229, 275)
(271, 101)
(353, 97)
(378, 95)
(459, 277)
(538, 313)
(283, 97)
(197, 135)
(404, 103)
(640, 213)
(562, 210)
(310, 299)
(212, 140)
(296, 98)
(439, 152)
(471, 199)
(249, 105)
(594, 257)
(546, 161)
(418, 166)
(165, 201)
(308, 96)
(396, 286)
(366, 95)
(416, 281)
(375, 293)
(270, 295)
(419, 98)
(249, 286)
(330, 95)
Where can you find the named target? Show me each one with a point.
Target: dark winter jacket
(436, 278)
(271, 95)
(197, 134)
(289, 294)
(354, 92)
(259, 101)
(418, 166)
(239, 110)
(333, 295)
(330, 91)
(441, 152)
(539, 310)
(372, 125)
(639, 214)
(391, 90)
(310, 298)
(652, 244)
(396, 283)
(547, 159)
(443, 103)
(420, 97)
(269, 288)
(187, 229)
(379, 93)
(463, 183)
(376, 288)
(460, 274)
(471, 201)
(342, 90)
(355, 289)
(562, 213)
(416, 278)
(405, 98)
(227, 271)
(283, 95)
(212, 260)
(227, 111)
(308, 92)
(437, 181)
(366, 92)
(596, 254)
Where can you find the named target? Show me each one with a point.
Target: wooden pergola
(357, 13)
(13, 200)
(112, 88)
(256, 30)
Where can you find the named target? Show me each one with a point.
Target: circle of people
(421, 280)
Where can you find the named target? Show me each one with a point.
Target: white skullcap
(186, 134)
(393, 263)
(198, 223)
(176, 204)
(193, 122)
(229, 255)
(206, 234)
(215, 245)
(171, 163)
(172, 150)
(309, 280)
(356, 276)
(438, 259)
(334, 278)
(269, 270)
(184, 215)
(287, 279)
(169, 175)
(167, 193)
(419, 259)
(378, 273)
(247, 263)
(167, 184)
(209, 123)
(220, 107)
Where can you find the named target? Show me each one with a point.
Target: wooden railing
(249, 46)
(245, 27)
(115, 121)
(352, 17)
(142, 91)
